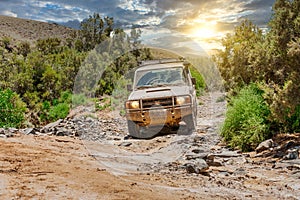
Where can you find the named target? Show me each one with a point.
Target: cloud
(177, 16)
(262, 11)
(8, 13)
(172, 14)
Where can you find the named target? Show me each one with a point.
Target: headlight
(132, 104)
(183, 100)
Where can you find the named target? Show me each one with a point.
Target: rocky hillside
(29, 30)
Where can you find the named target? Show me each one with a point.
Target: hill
(30, 30)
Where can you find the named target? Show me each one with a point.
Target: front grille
(152, 103)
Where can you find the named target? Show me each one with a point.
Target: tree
(283, 90)
(94, 30)
(234, 62)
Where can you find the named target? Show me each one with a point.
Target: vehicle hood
(159, 92)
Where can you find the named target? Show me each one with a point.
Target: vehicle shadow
(163, 131)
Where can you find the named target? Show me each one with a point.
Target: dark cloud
(260, 4)
(261, 11)
(174, 15)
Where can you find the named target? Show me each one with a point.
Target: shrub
(65, 97)
(200, 83)
(12, 109)
(60, 111)
(246, 123)
(59, 108)
(293, 122)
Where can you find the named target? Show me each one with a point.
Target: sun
(204, 30)
(203, 33)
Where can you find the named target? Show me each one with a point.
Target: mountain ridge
(20, 30)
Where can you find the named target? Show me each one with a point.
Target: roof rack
(160, 61)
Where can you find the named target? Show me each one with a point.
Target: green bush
(60, 111)
(12, 109)
(293, 122)
(65, 97)
(200, 83)
(246, 123)
(57, 109)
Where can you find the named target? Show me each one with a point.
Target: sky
(198, 24)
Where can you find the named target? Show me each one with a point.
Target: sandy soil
(61, 168)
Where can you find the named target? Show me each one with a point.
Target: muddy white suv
(163, 95)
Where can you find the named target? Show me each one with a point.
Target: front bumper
(159, 116)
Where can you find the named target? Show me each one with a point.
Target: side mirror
(129, 88)
(193, 81)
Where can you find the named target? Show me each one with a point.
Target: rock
(63, 132)
(292, 154)
(50, 126)
(264, 145)
(90, 119)
(198, 167)
(27, 131)
(196, 156)
(289, 164)
(6, 133)
(12, 130)
(3, 136)
(199, 139)
(224, 154)
(125, 144)
(240, 171)
(198, 150)
(215, 162)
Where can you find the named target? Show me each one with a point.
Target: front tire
(139, 132)
(191, 123)
(133, 128)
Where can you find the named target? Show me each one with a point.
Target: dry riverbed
(88, 157)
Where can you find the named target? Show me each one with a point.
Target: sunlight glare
(203, 33)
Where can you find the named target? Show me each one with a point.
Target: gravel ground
(90, 156)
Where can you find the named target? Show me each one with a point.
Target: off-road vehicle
(162, 95)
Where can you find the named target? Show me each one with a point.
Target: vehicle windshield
(160, 77)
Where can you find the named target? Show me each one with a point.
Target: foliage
(59, 111)
(94, 30)
(246, 123)
(45, 72)
(12, 109)
(107, 63)
(293, 122)
(282, 71)
(235, 61)
(272, 59)
(200, 83)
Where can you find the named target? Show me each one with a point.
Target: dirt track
(60, 167)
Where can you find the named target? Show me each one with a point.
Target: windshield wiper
(145, 86)
(161, 85)
(152, 86)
